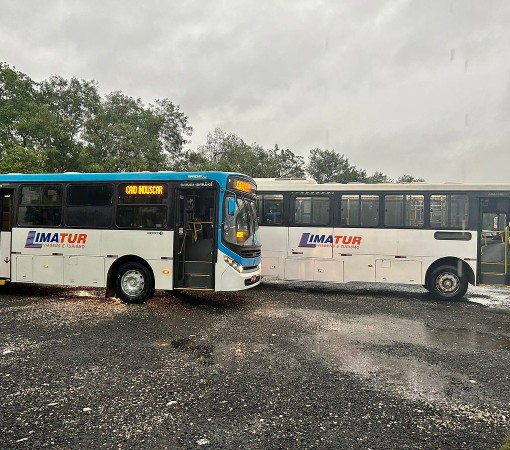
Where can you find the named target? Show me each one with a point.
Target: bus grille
(250, 253)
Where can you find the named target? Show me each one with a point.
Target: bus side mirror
(231, 206)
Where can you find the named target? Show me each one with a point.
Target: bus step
(494, 278)
(198, 281)
(198, 267)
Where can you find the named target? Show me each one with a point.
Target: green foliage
(378, 177)
(65, 125)
(409, 179)
(19, 159)
(70, 104)
(328, 166)
(228, 152)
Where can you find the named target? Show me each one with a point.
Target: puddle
(419, 379)
(380, 328)
(345, 342)
(468, 339)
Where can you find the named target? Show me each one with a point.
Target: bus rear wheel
(447, 284)
(134, 283)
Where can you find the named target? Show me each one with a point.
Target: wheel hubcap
(132, 283)
(448, 283)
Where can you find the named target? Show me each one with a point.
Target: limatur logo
(309, 240)
(37, 239)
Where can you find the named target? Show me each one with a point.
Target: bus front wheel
(134, 283)
(447, 284)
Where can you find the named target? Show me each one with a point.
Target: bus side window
(40, 205)
(272, 210)
(314, 210)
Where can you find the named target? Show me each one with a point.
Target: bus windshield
(240, 228)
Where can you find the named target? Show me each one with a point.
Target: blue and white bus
(131, 233)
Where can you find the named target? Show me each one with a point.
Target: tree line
(63, 125)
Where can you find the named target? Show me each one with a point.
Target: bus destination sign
(144, 189)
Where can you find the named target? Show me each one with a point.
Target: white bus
(130, 232)
(441, 236)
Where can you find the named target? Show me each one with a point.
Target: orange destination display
(144, 189)
(242, 185)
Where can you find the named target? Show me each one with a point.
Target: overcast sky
(418, 87)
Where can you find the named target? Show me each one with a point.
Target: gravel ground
(278, 366)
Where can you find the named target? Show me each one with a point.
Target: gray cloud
(398, 86)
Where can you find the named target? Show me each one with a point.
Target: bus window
(394, 210)
(271, 207)
(449, 211)
(311, 211)
(404, 210)
(89, 205)
(40, 205)
(414, 211)
(142, 205)
(359, 210)
(460, 211)
(438, 211)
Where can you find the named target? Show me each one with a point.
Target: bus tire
(134, 283)
(447, 284)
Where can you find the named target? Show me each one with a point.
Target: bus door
(5, 233)
(494, 240)
(195, 237)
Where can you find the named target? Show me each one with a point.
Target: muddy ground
(278, 366)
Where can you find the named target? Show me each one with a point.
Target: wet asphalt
(278, 366)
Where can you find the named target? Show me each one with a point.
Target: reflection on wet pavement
(346, 342)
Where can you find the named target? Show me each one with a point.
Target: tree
(378, 177)
(70, 104)
(123, 136)
(408, 179)
(171, 127)
(20, 127)
(283, 163)
(327, 166)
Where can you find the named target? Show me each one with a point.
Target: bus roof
(310, 185)
(116, 176)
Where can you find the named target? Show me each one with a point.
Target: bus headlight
(233, 264)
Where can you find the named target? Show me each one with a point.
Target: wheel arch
(462, 266)
(110, 278)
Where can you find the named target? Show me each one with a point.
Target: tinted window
(141, 216)
(90, 195)
(311, 211)
(270, 209)
(89, 205)
(40, 205)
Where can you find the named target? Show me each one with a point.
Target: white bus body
(416, 251)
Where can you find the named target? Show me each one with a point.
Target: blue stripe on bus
(220, 177)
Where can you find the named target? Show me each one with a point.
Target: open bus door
(5, 234)
(494, 241)
(195, 238)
